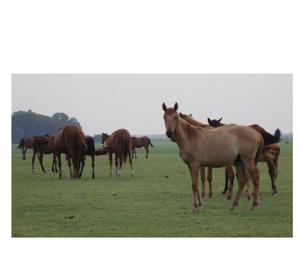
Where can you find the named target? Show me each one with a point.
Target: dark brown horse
(118, 143)
(270, 153)
(139, 142)
(90, 143)
(218, 147)
(71, 141)
(43, 145)
(25, 143)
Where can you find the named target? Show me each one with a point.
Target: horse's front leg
(32, 161)
(196, 195)
(202, 173)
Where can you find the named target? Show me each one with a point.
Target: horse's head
(104, 137)
(215, 122)
(171, 119)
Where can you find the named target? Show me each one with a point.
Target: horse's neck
(184, 133)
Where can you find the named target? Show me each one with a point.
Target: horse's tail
(80, 144)
(260, 149)
(271, 139)
(150, 143)
(127, 148)
(21, 143)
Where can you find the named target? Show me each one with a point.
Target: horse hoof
(195, 209)
(228, 197)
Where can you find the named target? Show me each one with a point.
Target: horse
(118, 143)
(270, 153)
(90, 143)
(228, 168)
(25, 143)
(71, 141)
(139, 142)
(43, 145)
(218, 147)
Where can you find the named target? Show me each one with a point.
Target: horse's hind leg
(130, 163)
(24, 149)
(69, 165)
(59, 164)
(240, 170)
(230, 179)
(254, 174)
(81, 166)
(116, 164)
(110, 163)
(202, 174)
(226, 182)
(120, 165)
(93, 166)
(209, 179)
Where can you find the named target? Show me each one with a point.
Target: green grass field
(157, 202)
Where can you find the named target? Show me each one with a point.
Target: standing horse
(228, 168)
(119, 143)
(90, 143)
(270, 153)
(25, 143)
(43, 145)
(70, 140)
(139, 142)
(217, 147)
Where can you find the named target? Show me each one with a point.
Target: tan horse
(228, 168)
(139, 142)
(270, 153)
(25, 143)
(43, 145)
(217, 147)
(70, 140)
(118, 143)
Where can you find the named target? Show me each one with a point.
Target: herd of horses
(218, 145)
(211, 145)
(71, 141)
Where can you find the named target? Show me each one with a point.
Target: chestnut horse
(119, 143)
(270, 153)
(25, 143)
(216, 147)
(228, 168)
(43, 145)
(139, 142)
(71, 141)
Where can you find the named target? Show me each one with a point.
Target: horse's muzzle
(170, 134)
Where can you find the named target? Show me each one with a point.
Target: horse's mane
(192, 121)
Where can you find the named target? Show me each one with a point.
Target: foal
(139, 142)
(43, 145)
(217, 147)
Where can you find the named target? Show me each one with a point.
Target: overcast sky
(104, 103)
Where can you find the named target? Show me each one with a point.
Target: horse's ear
(176, 106)
(220, 119)
(208, 120)
(164, 107)
(180, 114)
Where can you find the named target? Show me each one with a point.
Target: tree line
(28, 124)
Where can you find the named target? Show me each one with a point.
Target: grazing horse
(139, 142)
(228, 168)
(270, 153)
(215, 148)
(90, 143)
(43, 145)
(25, 143)
(119, 143)
(71, 141)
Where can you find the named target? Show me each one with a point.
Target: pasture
(157, 202)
